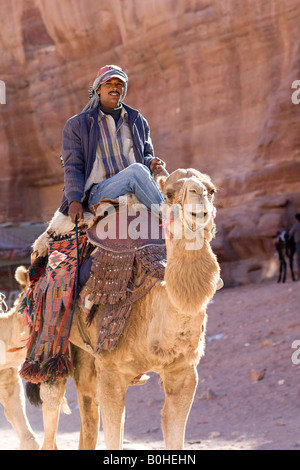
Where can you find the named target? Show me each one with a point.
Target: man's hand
(155, 165)
(76, 210)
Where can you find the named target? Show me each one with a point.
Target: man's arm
(74, 168)
(292, 231)
(148, 146)
(153, 163)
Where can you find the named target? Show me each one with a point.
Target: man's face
(110, 93)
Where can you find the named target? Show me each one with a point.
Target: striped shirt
(114, 149)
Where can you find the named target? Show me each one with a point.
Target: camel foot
(140, 379)
(31, 443)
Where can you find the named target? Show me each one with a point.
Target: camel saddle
(129, 259)
(122, 228)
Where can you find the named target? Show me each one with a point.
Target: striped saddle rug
(50, 301)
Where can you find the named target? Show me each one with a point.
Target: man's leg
(135, 179)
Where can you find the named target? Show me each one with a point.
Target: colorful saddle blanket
(52, 291)
(117, 280)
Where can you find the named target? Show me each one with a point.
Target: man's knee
(138, 169)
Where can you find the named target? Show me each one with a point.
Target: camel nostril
(195, 214)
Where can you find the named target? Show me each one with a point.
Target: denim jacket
(79, 144)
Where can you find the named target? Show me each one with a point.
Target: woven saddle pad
(122, 228)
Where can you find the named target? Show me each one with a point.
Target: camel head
(189, 201)
(171, 185)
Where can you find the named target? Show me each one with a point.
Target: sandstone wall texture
(213, 78)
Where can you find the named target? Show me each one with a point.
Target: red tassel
(55, 368)
(30, 372)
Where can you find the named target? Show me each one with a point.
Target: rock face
(214, 80)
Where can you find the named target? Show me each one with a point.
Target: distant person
(295, 232)
(290, 248)
(281, 252)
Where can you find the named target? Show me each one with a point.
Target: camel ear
(22, 277)
(160, 181)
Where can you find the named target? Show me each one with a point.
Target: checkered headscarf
(104, 74)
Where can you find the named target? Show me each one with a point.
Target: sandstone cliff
(212, 78)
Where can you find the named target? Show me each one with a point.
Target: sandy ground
(248, 395)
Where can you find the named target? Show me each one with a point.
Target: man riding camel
(107, 150)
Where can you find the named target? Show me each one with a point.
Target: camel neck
(186, 249)
(191, 275)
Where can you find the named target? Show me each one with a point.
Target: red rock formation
(213, 79)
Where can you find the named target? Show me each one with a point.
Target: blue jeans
(135, 179)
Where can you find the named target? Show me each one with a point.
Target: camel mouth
(196, 218)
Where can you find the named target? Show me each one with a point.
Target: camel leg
(284, 271)
(291, 262)
(111, 396)
(179, 389)
(85, 378)
(51, 396)
(13, 399)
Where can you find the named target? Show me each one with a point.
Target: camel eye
(169, 195)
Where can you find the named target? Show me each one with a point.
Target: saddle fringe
(118, 280)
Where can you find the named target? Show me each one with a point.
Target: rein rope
(77, 276)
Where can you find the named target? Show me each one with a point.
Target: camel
(164, 333)
(13, 338)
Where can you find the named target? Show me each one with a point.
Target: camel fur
(14, 335)
(164, 333)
